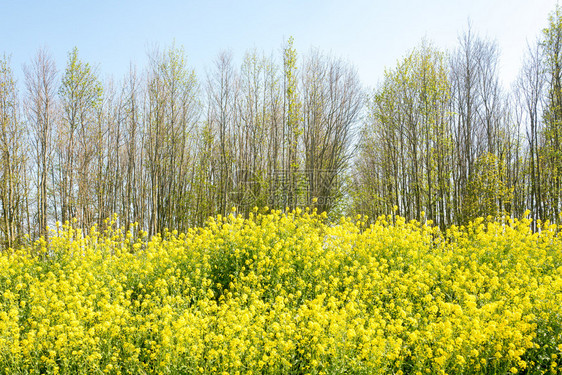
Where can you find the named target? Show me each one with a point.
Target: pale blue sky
(371, 35)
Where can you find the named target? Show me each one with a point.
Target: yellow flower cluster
(286, 293)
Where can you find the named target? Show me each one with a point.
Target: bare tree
(129, 119)
(41, 111)
(13, 187)
(222, 92)
(478, 107)
(332, 99)
(530, 90)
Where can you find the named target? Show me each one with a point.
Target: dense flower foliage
(286, 293)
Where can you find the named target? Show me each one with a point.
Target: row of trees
(440, 138)
(167, 149)
(443, 140)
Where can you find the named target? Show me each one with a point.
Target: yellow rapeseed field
(286, 293)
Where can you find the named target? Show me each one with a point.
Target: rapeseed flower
(285, 293)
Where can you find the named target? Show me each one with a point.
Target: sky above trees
(371, 35)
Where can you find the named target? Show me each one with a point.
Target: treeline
(445, 141)
(168, 149)
(439, 138)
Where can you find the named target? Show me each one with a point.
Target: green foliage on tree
(551, 150)
(80, 94)
(406, 145)
(488, 193)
